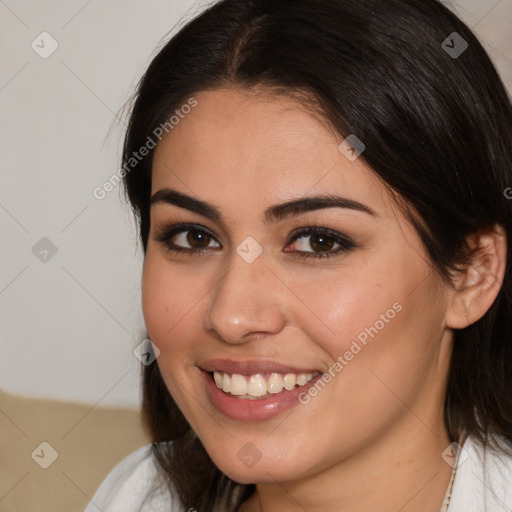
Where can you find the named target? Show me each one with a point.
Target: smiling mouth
(259, 386)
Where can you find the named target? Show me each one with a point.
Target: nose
(247, 301)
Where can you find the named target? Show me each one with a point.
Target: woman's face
(355, 307)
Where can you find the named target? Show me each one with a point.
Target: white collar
(483, 480)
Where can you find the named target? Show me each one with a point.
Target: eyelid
(313, 228)
(344, 242)
(168, 231)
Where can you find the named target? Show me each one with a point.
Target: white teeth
(275, 383)
(289, 381)
(226, 383)
(302, 379)
(218, 379)
(238, 385)
(257, 385)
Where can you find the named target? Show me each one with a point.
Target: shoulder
(134, 485)
(483, 480)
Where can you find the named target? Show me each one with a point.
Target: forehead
(235, 147)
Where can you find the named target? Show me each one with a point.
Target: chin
(255, 475)
(244, 467)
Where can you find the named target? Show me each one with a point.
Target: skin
(372, 438)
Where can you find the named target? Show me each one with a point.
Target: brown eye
(187, 238)
(198, 239)
(319, 242)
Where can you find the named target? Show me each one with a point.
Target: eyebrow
(273, 213)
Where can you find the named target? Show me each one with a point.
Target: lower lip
(253, 410)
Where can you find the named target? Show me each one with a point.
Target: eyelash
(345, 244)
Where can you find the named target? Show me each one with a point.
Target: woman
(320, 189)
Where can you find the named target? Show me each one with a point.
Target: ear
(477, 286)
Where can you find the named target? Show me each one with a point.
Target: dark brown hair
(437, 129)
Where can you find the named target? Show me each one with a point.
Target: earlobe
(477, 286)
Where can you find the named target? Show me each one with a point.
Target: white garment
(134, 485)
(483, 483)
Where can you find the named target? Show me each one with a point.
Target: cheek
(349, 305)
(170, 307)
(170, 304)
(380, 319)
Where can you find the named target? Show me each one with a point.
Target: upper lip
(251, 367)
